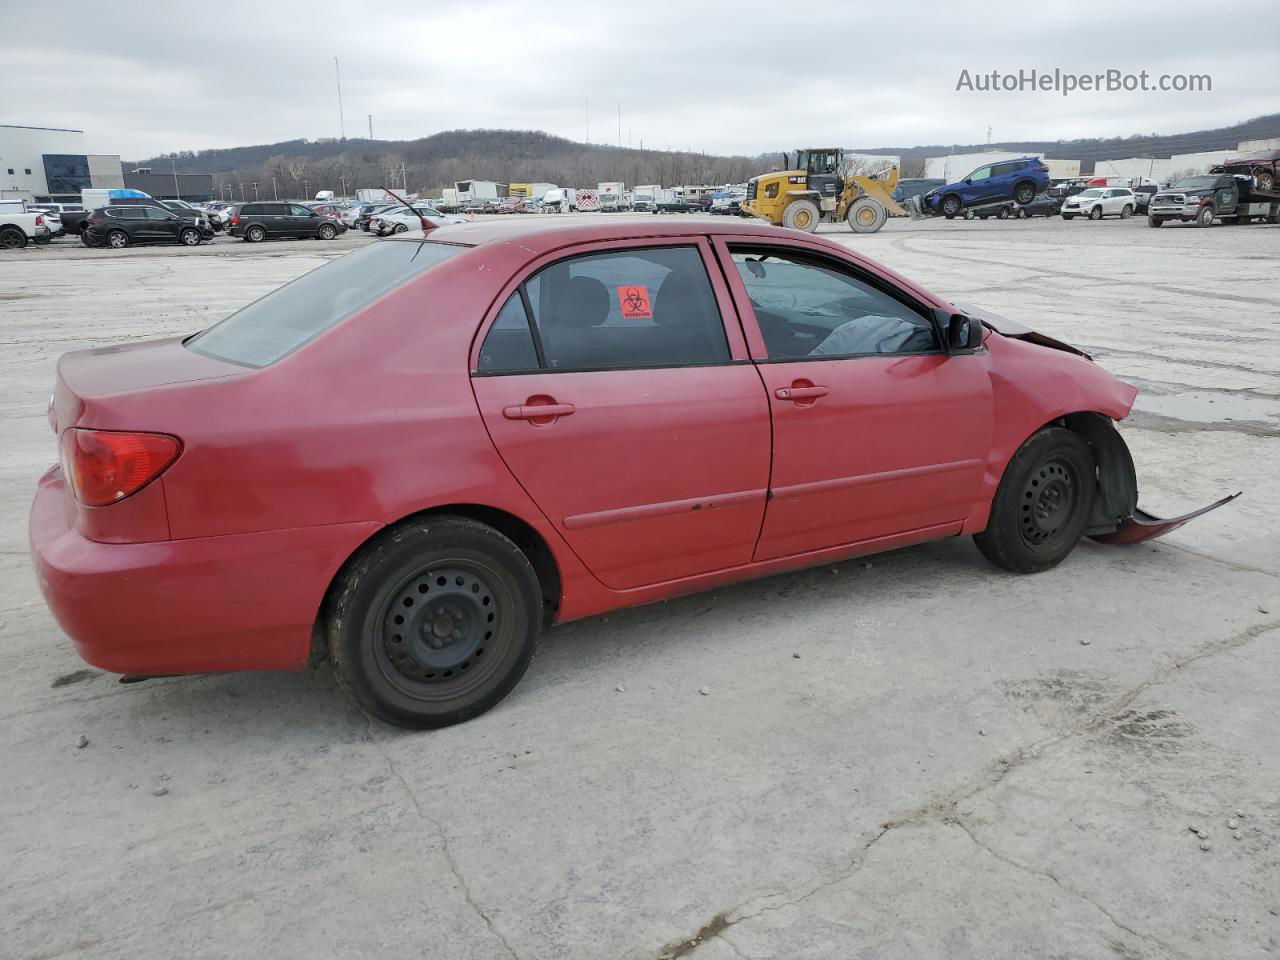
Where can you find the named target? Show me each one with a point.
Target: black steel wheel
(435, 622)
(1043, 502)
(11, 238)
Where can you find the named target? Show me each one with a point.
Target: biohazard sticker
(635, 303)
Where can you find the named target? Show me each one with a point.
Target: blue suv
(1017, 180)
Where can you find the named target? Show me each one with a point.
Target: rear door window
(650, 307)
(296, 313)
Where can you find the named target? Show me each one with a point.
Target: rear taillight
(104, 466)
(39, 220)
(235, 219)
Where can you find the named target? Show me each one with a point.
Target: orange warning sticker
(635, 303)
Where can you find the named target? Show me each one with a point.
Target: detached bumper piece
(1141, 526)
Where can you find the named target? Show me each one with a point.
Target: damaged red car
(415, 458)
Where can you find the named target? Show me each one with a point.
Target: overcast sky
(724, 77)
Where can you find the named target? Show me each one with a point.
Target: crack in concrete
(1078, 894)
(943, 809)
(444, 844)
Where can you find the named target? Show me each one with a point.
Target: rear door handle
(537, 411)
(800, 393)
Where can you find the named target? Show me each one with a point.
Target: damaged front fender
(1116, 518)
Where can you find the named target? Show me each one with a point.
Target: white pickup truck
(19, 226)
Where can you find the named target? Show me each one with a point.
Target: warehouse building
(50, 163)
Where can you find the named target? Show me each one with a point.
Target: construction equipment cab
(823, 187)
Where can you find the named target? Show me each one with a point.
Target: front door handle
(538, 411)
(800, 392)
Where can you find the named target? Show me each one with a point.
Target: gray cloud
(720, 77)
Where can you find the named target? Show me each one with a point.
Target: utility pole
(255, 189)
(177, 192)
(619, 123)
(342, 182)
(342, 123)
(587, 112)
(371, 126)
(274, 194)
(988, 134)
(306, 188)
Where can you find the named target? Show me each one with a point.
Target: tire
(465, 603)
(1003, 214)
(969, 215)
(801, 215)
(1127, 212)
(1024, 192)
(11, 238)
(117, 239)
(401, 228)
(189, 237)
(84, 238)
(949, 216)
(1068, 216)
(1265, 179)
(866, 216)
(1096, 213)
(1022, 214)
(951, 205)
(1042, 505)
(327, 231)
(255, 234)
(1154, 221)
(1205, 217)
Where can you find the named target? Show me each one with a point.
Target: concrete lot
(960, 763)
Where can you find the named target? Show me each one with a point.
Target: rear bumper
(207, 605)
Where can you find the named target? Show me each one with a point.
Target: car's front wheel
(327, 231)
(1154, 221)
(189, 237)
(1127, 212)
(434, 622)
(1096, 213)
(950, 205)
(1041, 507)
(1205, 217)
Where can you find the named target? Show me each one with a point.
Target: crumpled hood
(1016, 330)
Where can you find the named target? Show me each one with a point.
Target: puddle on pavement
(1209, 406)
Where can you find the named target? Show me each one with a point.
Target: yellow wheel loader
(822, 188)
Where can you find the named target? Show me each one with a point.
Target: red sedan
(414, 458)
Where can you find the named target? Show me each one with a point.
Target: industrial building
(192, 187)
(39, 163)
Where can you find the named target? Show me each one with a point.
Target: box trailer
(612, 195)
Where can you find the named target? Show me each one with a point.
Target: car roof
(546, 235)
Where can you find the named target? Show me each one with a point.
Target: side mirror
(963, 333)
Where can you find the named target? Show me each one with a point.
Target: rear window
(287, 318)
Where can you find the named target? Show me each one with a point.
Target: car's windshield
(1195, 183)
(298, 312)
(1090, 193)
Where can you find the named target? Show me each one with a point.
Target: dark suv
(120, 226)
(274, 221)
(1017, 180)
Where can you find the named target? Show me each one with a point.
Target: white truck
(474, 194)
(587, 201)
(646, 198)
(612, 195)
(560, 200)
(19, 226)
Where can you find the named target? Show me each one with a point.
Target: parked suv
(120, 226)
(274, 221)
(1098, 202)
(1017, 180)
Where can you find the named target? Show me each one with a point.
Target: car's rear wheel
(327, 231)
(117, 239)
(1127, 212)
(801, 215)
(1004, 213)
(87, 240)
(435, 622)
(255, 234)
(1096, 213)
(1041, 507)
(189, 237)
(1024, 192)
(950, 205)
(11, 238)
